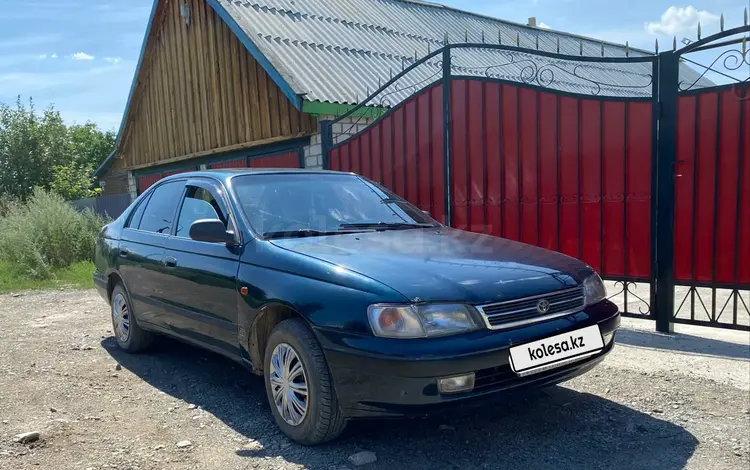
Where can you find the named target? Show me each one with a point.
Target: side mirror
(211, 231)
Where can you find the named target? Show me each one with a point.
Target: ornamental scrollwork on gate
(383, 100)
(626, 291)
(547, 74)
(732, 60)
(412, 88)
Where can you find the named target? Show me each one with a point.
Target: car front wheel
(299, 387)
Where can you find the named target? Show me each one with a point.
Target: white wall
(341, 130)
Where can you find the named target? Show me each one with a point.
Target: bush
(6, 203)
(45, 234)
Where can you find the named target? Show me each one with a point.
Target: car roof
(225, 174)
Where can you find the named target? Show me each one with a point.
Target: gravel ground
(667, 402)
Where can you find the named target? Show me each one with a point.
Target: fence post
(326, 140)
(669, 69)
(447, 134)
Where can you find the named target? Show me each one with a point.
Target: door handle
(170, 262)
(124, 252)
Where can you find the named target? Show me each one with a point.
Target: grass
(76, 276)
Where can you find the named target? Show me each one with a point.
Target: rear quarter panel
(106, 252)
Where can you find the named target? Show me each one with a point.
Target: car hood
(446, 264)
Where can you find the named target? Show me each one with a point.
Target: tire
(135, 339)
(322, 421)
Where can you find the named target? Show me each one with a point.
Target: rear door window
(160, 211)
(135, 218)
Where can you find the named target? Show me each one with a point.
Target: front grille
(522, 311)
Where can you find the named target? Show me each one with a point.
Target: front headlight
(420, 321)
(594, 290)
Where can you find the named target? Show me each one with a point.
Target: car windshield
(282, 205)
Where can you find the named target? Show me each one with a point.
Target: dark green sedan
(351, 302)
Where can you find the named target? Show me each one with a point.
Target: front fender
(323, 294)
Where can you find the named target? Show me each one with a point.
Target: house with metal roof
(246, 83)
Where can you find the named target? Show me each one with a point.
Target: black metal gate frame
(666, 88)
(669, 90)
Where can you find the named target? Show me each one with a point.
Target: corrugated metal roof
(340, 50)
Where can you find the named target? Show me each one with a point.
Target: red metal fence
(282, 160)
(568, 153)
(559, 171)
(236, 163)
(404, 151)
(712, 188)
(144, 182)
(279, 160)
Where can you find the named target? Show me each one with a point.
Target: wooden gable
(200, 92)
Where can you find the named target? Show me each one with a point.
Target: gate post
(326, 140)
(447, 133)
(668, 80)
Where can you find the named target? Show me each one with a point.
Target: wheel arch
(114, 278)
(268, 317)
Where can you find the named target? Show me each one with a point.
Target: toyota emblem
(543, 306)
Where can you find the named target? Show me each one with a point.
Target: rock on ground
(27, 437)
(363, 458)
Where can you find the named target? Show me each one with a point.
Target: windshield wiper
(392, 200)
(385, 226)
(307, 232)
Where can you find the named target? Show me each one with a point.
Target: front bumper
(383, 377)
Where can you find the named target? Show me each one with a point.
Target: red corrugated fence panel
(712, 192)
(281, 160)
(237, 163)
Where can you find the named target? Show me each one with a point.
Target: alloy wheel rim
(289, 384)
(121, 317)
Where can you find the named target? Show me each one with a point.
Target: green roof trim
(319, 108)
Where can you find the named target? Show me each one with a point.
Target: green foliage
(5, 205)
(78, 275)
(74, 181)
(45, 234)
(39, 150)
(88, 146)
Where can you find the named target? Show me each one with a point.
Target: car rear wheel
(299, 386)
(129, 336)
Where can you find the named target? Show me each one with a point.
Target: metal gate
(704, 185)
(583, 155)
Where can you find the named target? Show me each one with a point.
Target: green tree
(88, 145)
(39, 150)
(74, 181)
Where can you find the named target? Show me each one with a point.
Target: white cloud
(43, 56)
(82, 56)
(113, 60)
(680, 19)
(544, 25)
(53, 56)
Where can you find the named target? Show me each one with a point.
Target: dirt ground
(663, 402)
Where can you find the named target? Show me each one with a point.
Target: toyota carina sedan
(351, 302)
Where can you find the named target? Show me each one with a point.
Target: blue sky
(80, 55)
